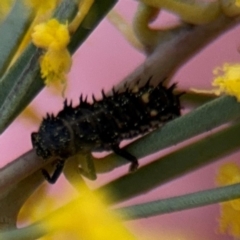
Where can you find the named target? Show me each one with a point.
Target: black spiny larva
(102, 125)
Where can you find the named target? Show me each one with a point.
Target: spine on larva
(137, 111)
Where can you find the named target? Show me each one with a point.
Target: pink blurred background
(105, 59)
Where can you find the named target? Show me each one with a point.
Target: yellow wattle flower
(237, 3)
(42, 11)
(56, 62)
(88, 218)
(229, 220)
(228, 174)
(52, 35)
(55, 65)
(228, 80)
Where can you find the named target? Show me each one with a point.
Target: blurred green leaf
(188, 201)
(12, 29)
(195, 99)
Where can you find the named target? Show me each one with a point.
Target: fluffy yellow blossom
(230, 211)
(42, 11)
(53, 37)
(55, 65)
(228, 80)
(87, 218)
(228, 174)
(237, 2)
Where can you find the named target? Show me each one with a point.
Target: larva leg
(58, 170)
(123, 153)
(89, 172)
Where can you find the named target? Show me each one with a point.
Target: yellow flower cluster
(42, 11)
(87, 218)
(237, 3)
(228, 80)
(229, 220)
(53, 37)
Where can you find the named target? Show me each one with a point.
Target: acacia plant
(36, 51)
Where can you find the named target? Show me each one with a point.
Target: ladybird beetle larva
(102, 125)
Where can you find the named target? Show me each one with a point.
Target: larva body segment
(102, 125)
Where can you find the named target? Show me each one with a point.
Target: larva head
(52, 139)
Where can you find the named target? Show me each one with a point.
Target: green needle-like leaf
(179, 203)
(12, 30)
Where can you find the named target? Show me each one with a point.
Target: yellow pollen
(153, 113)
(145, 97)
(135, 89)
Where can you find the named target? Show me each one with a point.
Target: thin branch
(171, 54)
(19, 169)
